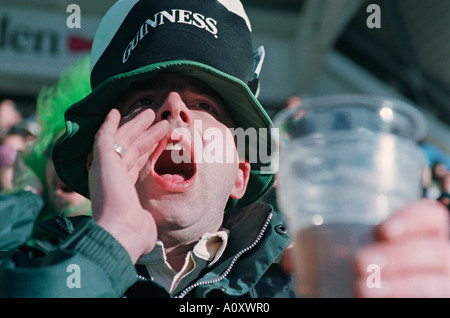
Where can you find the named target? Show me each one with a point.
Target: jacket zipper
(185, 291)
(144, 279)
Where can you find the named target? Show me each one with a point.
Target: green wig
(52, 102)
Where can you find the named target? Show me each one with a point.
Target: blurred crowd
(437, 185)
(17, 135)
(26, 143)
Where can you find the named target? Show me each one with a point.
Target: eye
(148, 102)
(205, 107)
(138, 105)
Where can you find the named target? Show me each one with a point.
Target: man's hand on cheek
(115, 202)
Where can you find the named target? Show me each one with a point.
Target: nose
(174, 109)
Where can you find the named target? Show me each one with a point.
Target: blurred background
(313, 47)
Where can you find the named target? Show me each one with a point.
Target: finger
(415, 255)
(424, 217)
(132, 129)
(146, 143)
(104, 138)
(144, 146)
(431, 285)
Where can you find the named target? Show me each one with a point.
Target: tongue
(174, 177)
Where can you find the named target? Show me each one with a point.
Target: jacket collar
(245, 225)
(257, 239)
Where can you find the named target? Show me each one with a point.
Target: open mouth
(174, 167)
(171, 164)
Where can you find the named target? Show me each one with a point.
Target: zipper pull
(65, 224)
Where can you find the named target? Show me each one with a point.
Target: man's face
(189, 178)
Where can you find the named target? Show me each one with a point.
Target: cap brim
(84, 118)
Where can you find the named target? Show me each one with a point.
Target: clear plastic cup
(346, 163)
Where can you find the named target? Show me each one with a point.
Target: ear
(242, 177)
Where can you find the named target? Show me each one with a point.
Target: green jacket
(89, 262)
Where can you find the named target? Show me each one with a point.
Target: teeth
(172, 146)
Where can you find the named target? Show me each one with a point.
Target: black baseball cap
(207, 39)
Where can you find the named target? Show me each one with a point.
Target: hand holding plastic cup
(346, 163)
